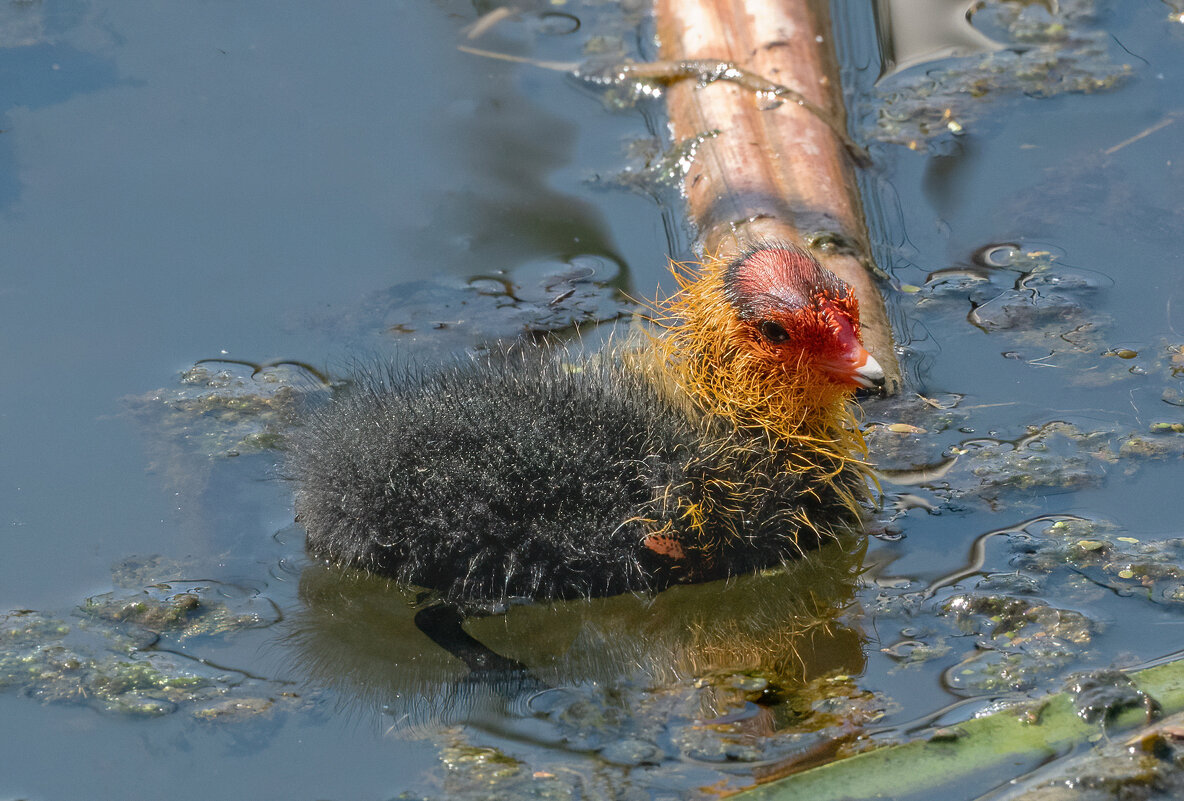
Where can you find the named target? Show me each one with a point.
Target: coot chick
(724, 446)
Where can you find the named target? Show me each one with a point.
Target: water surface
(261, 182)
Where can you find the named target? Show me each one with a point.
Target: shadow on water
(513, 216)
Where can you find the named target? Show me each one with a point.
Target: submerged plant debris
(223, 408)
(1104, 558)
(1020, 642)
(1140, 766)
(126, 654)
(434, 319)
(928, 450)
(1009, 621)
(650, 743)
(1046, 50)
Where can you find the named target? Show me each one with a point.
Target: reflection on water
(374, 642)
(41, 70)
(943, 58)
(912, 32)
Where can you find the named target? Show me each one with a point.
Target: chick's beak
(870, 374)
(859, 370)
(855, 367)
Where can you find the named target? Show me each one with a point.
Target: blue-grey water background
(186, 181)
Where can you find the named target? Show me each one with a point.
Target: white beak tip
(870, 375)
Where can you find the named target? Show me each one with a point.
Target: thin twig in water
(1165, 122)
(487, 21)
(557, 66)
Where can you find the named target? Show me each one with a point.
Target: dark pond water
(270, 181)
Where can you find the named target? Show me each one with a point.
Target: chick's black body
(528, 477)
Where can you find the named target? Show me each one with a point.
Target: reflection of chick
(365, 637)
(730, 449)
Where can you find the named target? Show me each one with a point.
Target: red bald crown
(776, 279)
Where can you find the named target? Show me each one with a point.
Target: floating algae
(123, 653)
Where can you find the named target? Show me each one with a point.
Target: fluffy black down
(527, 477)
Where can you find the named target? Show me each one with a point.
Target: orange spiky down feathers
(716, 358)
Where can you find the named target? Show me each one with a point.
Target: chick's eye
(773, 332)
